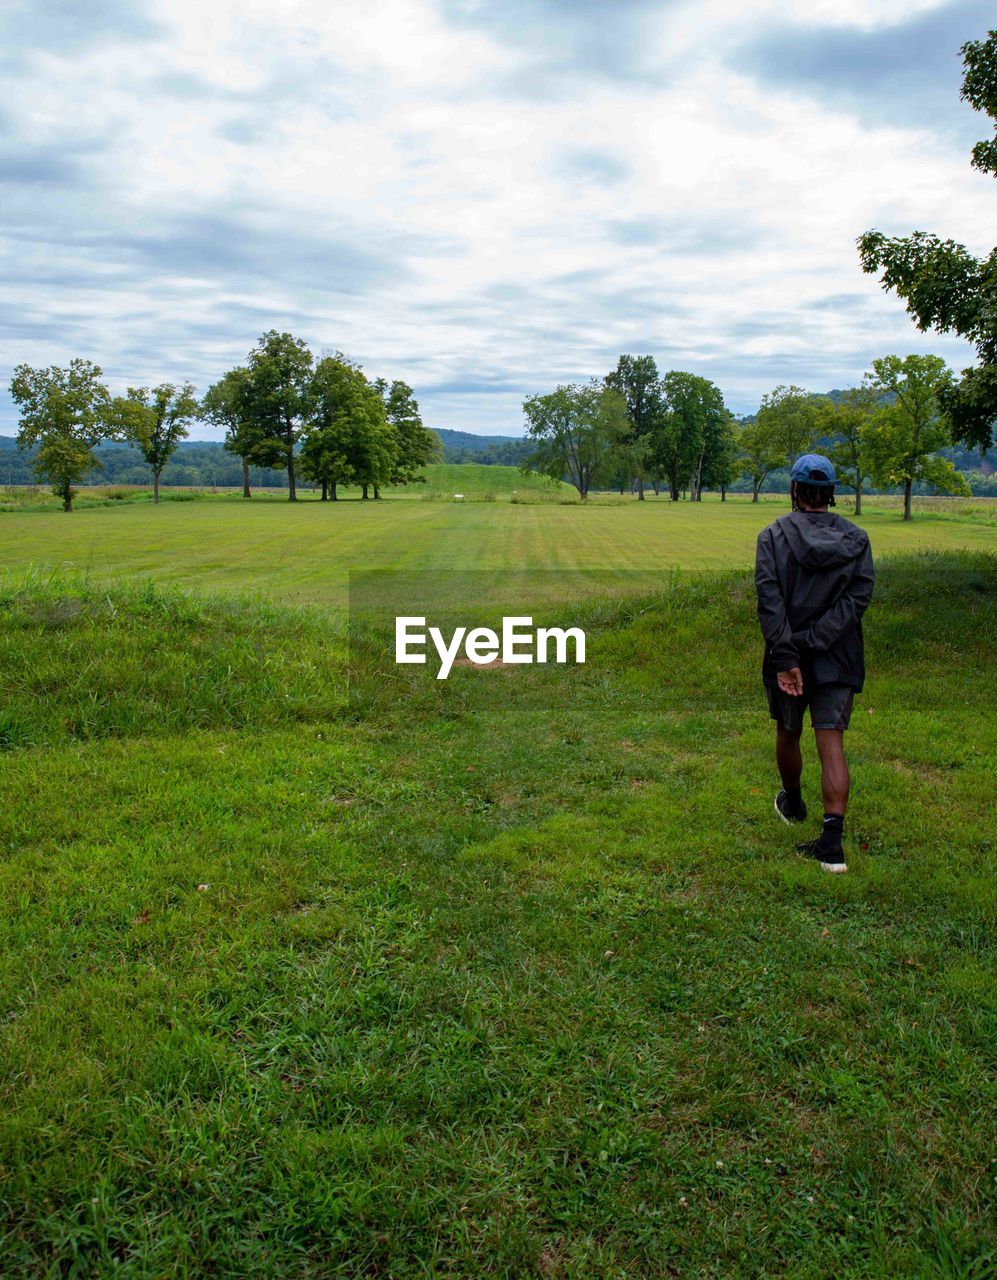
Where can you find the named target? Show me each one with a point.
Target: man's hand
(791, 681)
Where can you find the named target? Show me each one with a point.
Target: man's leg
(834, 778)
(789, 761)
(827, 848)
(788, 757)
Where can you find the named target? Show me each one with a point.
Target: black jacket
(814, 577)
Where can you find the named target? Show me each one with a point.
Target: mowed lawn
(302, 552)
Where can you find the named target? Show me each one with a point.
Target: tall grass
(78, 661)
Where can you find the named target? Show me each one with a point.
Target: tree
(324, 459)
(349, 439)
(278, 400)
(760, 453)
(678, 433)
(723, 465)
(706, 418)
(636, 379)
(979, 89)
(902, 439)
(575, 431)
(156, 421)
(688, 431)
(225, 405)
(66, 412)
(511, 453)
(846, 422)
(944, 286)
(375, 452)
(415, 444)
(789, 417)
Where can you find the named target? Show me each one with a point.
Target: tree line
(635, 427)
(283, 410)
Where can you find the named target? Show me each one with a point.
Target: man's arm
(846, 611)
(772, 610)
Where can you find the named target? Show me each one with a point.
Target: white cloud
(450, 202)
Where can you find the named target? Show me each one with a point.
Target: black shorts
(830, 706)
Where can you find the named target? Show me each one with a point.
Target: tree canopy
(349, 439)
(946, 287)
(65, 412)
(903, 438)
(635, 378)
(845, 421)
(278, 400)
(693, 442)
(225, 404)
(575, 430)
(415, 444)
(156, 421)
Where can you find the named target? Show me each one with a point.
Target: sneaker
(789, 811)
(830, 859)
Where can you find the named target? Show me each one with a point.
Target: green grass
(476, 482)
(302, 553)
(487, 483)
(514, 976)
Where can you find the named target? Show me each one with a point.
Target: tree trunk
(754, 491)
(723, 493)
(907, 487)
(696, 486)
(640, 488)
(377, 493)
(155, 486)
(365, 495)
(245, 479)
(292, 492)
(858, 497)
(332, 491)
(325, 490)
(673, 490)
(67, 497)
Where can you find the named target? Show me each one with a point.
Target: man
(814, 578)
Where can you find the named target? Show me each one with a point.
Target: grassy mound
(483, 483)
(496, 982)
(79, 662)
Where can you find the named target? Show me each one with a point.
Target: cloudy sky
(483, 197)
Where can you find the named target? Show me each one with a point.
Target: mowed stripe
(303, 553)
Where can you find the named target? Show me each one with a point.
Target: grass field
(512, 976)
(302, 553)
(472, 481)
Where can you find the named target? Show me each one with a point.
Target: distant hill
(196, 462)
(205, 462)
(462, 446)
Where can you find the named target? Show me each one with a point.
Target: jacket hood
(822, 540)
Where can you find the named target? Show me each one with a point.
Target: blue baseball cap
(813, 468)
